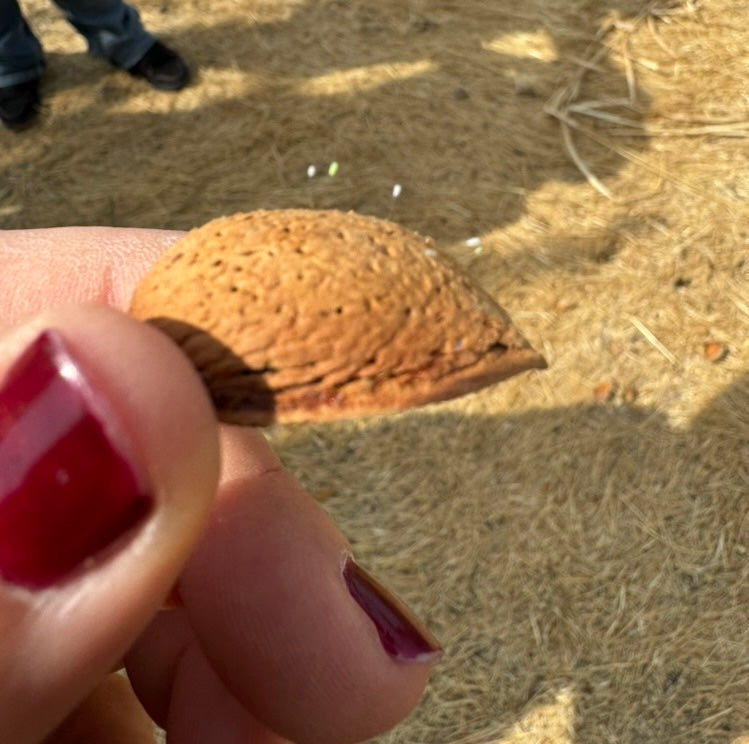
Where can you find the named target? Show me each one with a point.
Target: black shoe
(19, 104)
(162, 68)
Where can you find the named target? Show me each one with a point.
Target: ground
(578, 538)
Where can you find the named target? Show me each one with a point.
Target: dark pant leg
(112, 29)
(21, 57)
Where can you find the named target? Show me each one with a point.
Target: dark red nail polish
(66, 489)
(401, 633)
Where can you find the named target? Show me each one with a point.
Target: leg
(21, 65)
(112, 29)
(21, 58)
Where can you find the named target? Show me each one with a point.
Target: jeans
(112, 29)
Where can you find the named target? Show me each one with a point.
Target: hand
(277, 634)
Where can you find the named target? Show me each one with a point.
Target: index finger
(44, 267)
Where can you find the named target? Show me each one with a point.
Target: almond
(715, 351)
(295, 315)
(604, 392)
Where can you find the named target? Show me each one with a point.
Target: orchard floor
(578, 538)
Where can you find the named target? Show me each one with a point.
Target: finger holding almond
(284, 633)
(287, 316)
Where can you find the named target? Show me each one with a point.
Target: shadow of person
(461, 110)
(445, 100)
(593, 549)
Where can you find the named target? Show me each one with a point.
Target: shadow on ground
(593, 549)
(446, 99)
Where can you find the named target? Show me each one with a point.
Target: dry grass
(578, 538)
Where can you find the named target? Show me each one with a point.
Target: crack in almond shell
(297, 315)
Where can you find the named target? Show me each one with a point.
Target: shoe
(19, 104)
(162, 68)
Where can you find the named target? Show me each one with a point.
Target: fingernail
(401, 633)
(67, 490)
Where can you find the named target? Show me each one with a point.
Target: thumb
(108, 465)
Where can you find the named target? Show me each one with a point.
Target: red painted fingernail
(66, 489)
(401, 633)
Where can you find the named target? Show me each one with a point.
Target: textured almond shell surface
(294, 315)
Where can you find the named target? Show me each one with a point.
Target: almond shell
(298, 315)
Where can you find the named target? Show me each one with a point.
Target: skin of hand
(277, 635)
